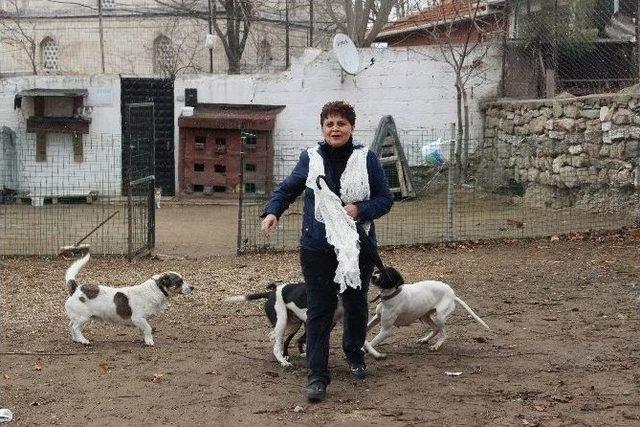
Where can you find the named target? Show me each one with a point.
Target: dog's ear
(271, 286)
(388, 278)
(397, 277)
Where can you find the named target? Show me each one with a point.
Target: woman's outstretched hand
(269, 223)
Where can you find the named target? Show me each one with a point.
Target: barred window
(163, 54)
(50, 54)
(108, 4)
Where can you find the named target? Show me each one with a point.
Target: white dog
(131, 305)
(429, 301)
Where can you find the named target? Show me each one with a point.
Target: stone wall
(564, 151)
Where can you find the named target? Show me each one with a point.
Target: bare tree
(406, 7)
(360, 20)
(237, 15)
(14, 33)
(463, 33)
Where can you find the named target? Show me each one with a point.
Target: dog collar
(162, 289)
(388, 297)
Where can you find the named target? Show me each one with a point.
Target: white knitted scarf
(340, 227)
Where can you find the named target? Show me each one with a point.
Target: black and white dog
(286, 309)
(131, 305)
(428, 301)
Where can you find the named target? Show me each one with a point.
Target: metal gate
(160, 92)
(139, 179)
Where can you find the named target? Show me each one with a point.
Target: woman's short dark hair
(338, 108)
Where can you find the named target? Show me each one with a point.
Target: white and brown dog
(429, 301)
(286, 309)
(131, 305)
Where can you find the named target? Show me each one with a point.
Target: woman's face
(336, 130)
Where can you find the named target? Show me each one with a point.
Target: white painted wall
(406, 83)
(100, 169)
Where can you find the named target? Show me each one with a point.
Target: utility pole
(310, 23)
(101, 34)
(210, 32)
(286, 32)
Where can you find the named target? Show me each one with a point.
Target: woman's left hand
(352, 210)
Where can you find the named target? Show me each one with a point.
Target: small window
(251, 140)
(221, 145)
(164, 55)
(50, 54)
(250, 167)
(249, 187)
(41, 147)
(198, 167)
(78, 149)
(219, 168)
(108, 4)
(197, 188)
(200, 142)
(219, 189)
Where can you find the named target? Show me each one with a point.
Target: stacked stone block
(566, 151)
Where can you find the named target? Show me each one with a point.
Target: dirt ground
(200, 231)
(564, 350)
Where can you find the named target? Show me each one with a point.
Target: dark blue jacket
(314, 236)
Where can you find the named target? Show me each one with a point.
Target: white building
(76, 155)
(136, 38)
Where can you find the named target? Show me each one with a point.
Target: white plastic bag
(435, 153)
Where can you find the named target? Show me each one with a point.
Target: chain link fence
(56, 188)
(487, 206)
(580, 47)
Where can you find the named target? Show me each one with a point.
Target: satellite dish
(346, 53)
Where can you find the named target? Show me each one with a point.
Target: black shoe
(358, 370)
(316, 391)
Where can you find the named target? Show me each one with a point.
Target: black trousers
(318, 269)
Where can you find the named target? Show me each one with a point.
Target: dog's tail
(251, 297)
(475, 316)
(72, 272)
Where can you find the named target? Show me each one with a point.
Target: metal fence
(445, 208)
(581, 47)
(56, 188)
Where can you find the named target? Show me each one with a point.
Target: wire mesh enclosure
(487, 205)
(55, 189)
(581, 47)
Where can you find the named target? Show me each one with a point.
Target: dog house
(224, 145)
